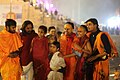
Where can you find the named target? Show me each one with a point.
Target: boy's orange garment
(9, 67)
(66, 49)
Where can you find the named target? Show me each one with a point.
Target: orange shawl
(9, 67)
(102, 67)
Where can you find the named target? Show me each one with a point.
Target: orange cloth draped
(79, 73)
(81, 42)
(102, 66)
(66, 48)
(9, 67)
(113, 48)
(101, 71)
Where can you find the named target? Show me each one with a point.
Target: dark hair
(70, 24)
(10, 22)
(57, 44)
(50, 36)
(51, 27)
(24, 25)
(59, 33)
(93, 20)
(44, 28)
(85, 27)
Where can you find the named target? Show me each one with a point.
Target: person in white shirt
(57, 63)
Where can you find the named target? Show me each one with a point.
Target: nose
(14, 28)
(66, 30)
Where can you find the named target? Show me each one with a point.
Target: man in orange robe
(66, 48)
(10, 44)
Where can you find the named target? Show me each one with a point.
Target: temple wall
(27, 12)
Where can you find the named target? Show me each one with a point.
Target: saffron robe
(9, 67)
(40, 58)
(66, 49)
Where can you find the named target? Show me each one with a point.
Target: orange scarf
(8, 43)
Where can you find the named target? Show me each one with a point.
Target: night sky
(81, 10)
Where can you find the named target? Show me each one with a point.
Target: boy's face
(41, 33)
(52, 32)
(52, 48)
(51, 39)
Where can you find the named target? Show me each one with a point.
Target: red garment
(25, 56)
(66, 48)
(40, 58)
(79, 75)
(79, 71)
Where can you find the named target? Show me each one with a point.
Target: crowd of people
(51, 55)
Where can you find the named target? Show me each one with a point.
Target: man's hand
(92, 58)
(13, 54)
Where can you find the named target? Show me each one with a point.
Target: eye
(66, 28)
(79, 31)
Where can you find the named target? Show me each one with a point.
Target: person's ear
(96, 26)
(7, 28)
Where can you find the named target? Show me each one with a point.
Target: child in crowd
(51, 31)
(59, 33)
(40, 54)
(51, 39)
(57, 63)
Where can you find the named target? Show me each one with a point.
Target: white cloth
(55, 64)
(27, 72)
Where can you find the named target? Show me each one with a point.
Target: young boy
(40, 54)
(57, 63)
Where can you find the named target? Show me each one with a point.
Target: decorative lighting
(114, 22)
(51, 5)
